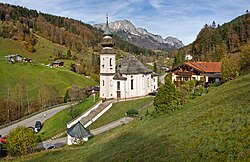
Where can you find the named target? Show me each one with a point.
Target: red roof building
(207, 72)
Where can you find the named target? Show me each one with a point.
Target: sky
(182, 19)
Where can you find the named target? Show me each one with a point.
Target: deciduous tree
(21, 141)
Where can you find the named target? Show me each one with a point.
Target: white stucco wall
(107, 90)
(107, 71)
(105, 66)
(196, 77)
(73, 140)
(86, 113)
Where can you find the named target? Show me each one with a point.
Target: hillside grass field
(34, 74)
(213, 127)
(118, 110)
(58, 123)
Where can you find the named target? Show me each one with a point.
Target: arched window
(110, 61)
(132, 84)
(102, 82)
(118, 86)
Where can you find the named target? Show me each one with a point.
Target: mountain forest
(214, 42)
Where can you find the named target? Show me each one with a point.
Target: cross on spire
(107, 19)
(107, 31)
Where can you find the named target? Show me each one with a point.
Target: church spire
(107, 31)
(107, 40)
(107, 20)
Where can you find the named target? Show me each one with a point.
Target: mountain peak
(140, 36)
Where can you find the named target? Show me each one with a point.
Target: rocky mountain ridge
(141, 37)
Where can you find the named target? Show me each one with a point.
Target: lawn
(118, 110)
(32, 75)
(213, 127)
(58, 122)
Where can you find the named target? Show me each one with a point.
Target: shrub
(132, 112)
(21, 141)
(167, 98)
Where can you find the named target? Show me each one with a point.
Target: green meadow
(33, 74)
(213, 127)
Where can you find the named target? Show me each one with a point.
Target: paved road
(63, 141)
(32, 120)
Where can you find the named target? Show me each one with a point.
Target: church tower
(107, 65)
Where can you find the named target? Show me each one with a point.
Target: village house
(208, 72)
(188, 57)
(57, 64)
(129, 78)
(16, 58)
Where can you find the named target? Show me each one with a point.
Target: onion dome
(107, 40)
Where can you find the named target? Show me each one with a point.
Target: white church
(129, 78)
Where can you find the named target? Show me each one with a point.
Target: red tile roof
(208, 67)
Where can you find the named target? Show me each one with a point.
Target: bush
(21, 141)
(167, 98)
(132, 112)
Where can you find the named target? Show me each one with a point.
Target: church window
(110, 61)
(103, 63)
(102, 82)
(118, 85)
(132, 83)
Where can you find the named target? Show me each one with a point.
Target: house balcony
(184, 74)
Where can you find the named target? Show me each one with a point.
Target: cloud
(180, 18)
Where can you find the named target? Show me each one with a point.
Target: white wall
(98, 115)
(143, 84)
(105, 60)
(73, 140)
(107, 72)
(107, 90)
(86, 113)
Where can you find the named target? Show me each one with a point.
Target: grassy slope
(58, 122)
(214, 127)
(118, 111)
(34, 74)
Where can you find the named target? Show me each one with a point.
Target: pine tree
(167, 99)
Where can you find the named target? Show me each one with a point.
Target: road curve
(63, 141)
(32, 120)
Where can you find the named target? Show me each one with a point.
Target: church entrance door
(118, 94)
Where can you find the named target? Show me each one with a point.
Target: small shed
(77, 133)
(57, 64)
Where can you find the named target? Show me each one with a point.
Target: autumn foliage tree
(21, 141)
(234, 64)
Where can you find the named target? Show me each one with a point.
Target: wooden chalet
(208, 72)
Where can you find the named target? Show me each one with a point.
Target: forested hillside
(44, 38)
(215, 41)
(20, 23)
